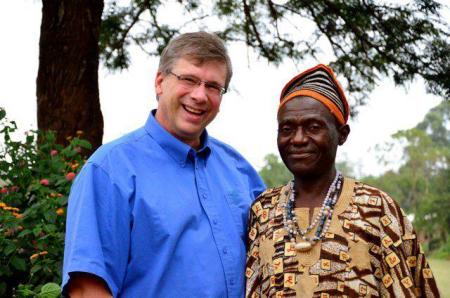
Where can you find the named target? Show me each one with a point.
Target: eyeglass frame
(198, 82)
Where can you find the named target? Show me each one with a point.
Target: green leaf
(2, 287)
(25, 292)
(10, 248)
(35, 269)
(84, 144)
(18, 263)
(24, 233)
(50, 290)
(37, 230)
(2, 113)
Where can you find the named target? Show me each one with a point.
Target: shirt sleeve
(404, 266)
(98, 227)
(253, 272)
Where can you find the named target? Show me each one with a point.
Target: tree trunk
(67, 82)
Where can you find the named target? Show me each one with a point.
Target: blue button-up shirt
(154, 218)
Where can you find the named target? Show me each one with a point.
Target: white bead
(303, 246)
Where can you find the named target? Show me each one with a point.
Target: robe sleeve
(405, 271)
(253, 271)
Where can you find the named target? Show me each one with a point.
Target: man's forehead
(302, 107)
(197, 61)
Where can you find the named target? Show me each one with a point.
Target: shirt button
(225, 251)
(214, 222)
(204, 196)
(231, 281)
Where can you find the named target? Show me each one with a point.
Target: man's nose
(299, 136)
(199, 92)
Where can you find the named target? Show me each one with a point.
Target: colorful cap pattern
(321, 84)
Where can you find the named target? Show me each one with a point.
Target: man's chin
(189, 133)
(304, 172)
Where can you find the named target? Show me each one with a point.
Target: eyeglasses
(190, 81)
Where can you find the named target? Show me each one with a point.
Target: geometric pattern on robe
(370, 250)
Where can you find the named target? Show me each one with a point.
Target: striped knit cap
(321, 84)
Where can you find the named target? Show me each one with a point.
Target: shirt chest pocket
(239, 203)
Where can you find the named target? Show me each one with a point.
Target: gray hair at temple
(199, 46)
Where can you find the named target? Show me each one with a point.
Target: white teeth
(192, 110)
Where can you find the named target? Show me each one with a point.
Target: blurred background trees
(422, 183)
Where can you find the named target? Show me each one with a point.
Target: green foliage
(443, 252)
(274, 173)
(35, 179)
(421, 185)
(369, 39)
(346, 168)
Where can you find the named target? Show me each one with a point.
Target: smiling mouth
(301, 155)
(193, 110)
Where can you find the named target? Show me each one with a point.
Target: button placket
(212, 214)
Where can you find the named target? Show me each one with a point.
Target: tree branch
(249, 19)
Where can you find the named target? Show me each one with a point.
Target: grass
(441, 271)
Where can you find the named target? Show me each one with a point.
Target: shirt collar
(178, 150)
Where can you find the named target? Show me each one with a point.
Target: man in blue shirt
(162, 211)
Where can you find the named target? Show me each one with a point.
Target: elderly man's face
(185, 109)
(308, 137)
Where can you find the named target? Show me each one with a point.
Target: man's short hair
(200, 46)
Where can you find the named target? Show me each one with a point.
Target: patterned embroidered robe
(370, 250)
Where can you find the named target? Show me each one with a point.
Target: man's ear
(158, 83)
(344, 131)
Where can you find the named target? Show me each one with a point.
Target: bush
(35, 180)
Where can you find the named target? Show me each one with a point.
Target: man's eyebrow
(293, 119)
(289, 120)
(215, 83)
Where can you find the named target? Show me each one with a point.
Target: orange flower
(17, 215)
(43, 253)
(75, 165)
(2, 205)
(60, 211)
(34, 256)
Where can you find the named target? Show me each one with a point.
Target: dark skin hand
(83, 285)
(308, 137)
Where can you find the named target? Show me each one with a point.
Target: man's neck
(311, 191)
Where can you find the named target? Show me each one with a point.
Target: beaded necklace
(323, 218)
